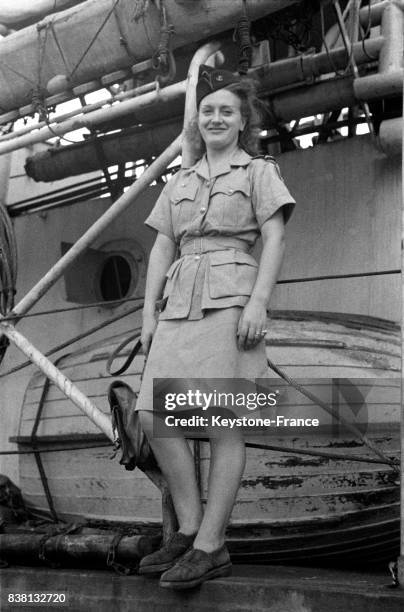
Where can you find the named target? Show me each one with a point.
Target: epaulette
(266, 157)
(273, 161)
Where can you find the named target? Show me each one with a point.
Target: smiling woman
(214, 316)
(220, 120)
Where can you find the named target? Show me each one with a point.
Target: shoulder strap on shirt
(273, 161)
(266, 157)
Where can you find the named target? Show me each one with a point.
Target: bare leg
(227, 464)
(177, 465)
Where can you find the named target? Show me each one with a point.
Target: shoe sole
(217, 572)
(153, 570)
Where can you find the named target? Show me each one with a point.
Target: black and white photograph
(201, 305)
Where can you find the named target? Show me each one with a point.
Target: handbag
(130, 437)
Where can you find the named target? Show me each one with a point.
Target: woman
(214, 319)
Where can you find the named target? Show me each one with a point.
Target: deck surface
(250, 588)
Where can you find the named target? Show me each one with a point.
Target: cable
(94, 38)
(75, 339)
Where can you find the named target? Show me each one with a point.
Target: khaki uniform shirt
(215, 221)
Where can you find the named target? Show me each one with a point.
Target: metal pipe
(376, 12)
(390, 137)
(392, 29)
(132, 93)
(101, 420)
(383, 85)
(57, 163)
(142, 108)
(322, 97)
(169, 101)
(306, 67)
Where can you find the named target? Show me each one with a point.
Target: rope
(330, 410)
(119, 568)
(56, 450)
(311, 453)
(242, 37)
(162, 58)
(40, 313)
(94, 38)
(340, 73)
(17, 73)
(271, 447)
(140, 9)
(37, 452)
(75, 339)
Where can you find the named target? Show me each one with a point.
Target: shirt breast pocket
(231, 202)
(183, 204)
(231, 273)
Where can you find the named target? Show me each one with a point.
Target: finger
(242, 334)
(251, 338)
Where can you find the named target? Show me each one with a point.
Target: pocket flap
(184, 191)
(238, 184)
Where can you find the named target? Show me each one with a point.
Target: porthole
(117, 277)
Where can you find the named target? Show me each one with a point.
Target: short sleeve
(160, 217)
(269, 192)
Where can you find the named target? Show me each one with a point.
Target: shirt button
(197, 233)
(230, 191)
(197, 257)
(203, 210)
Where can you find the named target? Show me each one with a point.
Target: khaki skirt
(197, 349)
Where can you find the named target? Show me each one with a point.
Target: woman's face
(220, 119)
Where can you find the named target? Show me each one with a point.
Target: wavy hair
(251, 111)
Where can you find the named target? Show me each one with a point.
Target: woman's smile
(220, 120)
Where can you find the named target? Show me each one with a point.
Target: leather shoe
(195, 567)
(164, 558)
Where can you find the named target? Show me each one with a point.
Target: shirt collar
(238, 158)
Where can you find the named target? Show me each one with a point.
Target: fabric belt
(204, 244)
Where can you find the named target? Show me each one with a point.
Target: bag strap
(116, 352)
